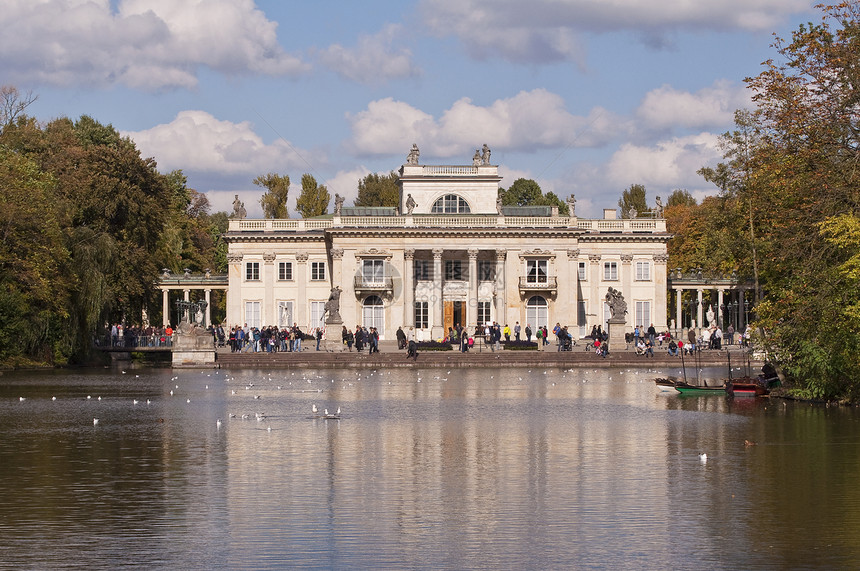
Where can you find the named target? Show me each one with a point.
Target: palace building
(450, 254)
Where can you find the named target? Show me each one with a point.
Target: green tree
(274, 200)
(527, 192)
(314, 199)
(632, 199)
(680, 197)
(378, 190)
(791, 175)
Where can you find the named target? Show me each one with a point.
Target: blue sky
(585, 96)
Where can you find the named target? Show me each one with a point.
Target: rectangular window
(285, 314)
(317, 271)
(610, 271)
(252, 271)
(317, 311)
(453, 270)
(252, 313)
(583, 276)
(643, 313)
(285, 271)
(536, 271)
(643, 270)
(422, 316)
(373, 271)
(483, 312)
(422, 270)
(486, 271)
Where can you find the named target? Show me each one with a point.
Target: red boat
(746, 387)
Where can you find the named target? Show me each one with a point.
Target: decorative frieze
(301, 257)
(537, 253)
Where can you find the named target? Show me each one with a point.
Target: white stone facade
(464, 263)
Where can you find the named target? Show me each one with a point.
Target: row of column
(739, 309)
(186, 296)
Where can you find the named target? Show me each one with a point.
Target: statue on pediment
(485, 154)
(412, 157)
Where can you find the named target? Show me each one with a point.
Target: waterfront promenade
(481, 357)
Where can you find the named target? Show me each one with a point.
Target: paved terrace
(479, 356)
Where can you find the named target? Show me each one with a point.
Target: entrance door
(459, 313)
(448, 316)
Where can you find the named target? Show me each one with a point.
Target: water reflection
(488, 468)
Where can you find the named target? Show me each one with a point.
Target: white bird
(703, 458)
(53, 398)
(171, 393)
(218, 423)
(314, 409)
(123, 372)
(22, 399)
(134, 401)
(256, 397)
(100, 398)
(188, 400)
(269, 429)
(148, 401)
(338, 411)
(232, 415)
(95, 421)
(89, 397)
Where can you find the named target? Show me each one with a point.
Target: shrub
(433, 346)
(519, 345)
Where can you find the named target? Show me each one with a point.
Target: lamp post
(746, 313)
(693, 305)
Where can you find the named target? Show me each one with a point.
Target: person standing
(528, 332)
(517, 331)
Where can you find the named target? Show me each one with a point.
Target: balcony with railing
(538, 283)
(376, 284)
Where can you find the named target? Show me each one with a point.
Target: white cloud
(541, 31)
(527, 121)
(373, 59)
(197, 141)
(671, 163)
(143, 44)
(666, 107)
(345, 183)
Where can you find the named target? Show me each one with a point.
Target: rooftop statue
(238, 209)
(410, 204)
(338, 204)
(412, 157)
(485, 154)
(476, 160)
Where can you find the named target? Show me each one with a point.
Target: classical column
(186, 294)
(409, 287)
(165, 308)
(627, 288)
(208, 313)
(268, 309)
(500, 285)
(438, 311)
(700, 292)
(337, 270)
(471, 319)
(567, 290)
(234, 280)
(595, 301)
(678, 314)
(661, 310)
(720, 309)
(300, 315)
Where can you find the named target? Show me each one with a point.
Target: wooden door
(448, 315)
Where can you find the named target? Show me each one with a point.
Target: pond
(424, 468)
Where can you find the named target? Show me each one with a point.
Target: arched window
(451, 204)
(537, 312)
(373, 313)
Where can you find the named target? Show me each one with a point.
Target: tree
(527, 192)
(314, 199)
(792, 176)
(13, 104)
(633, 199)
(274, 200)
(378, 190)
(680, 197)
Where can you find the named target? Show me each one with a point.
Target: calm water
(436, 469)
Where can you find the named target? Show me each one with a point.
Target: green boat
(699, 390)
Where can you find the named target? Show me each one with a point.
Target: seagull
(188, 401)
(171, 392)
(21, 399)
(134, 401)
(338, 411)
(148, 401)
(314, 409)
(703, 458)
(232, 415)
(256, 397)
(218, 423)
(89, 397)
(95, 421)
(100, 398)
(53, 398)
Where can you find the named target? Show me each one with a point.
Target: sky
(586, 97)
